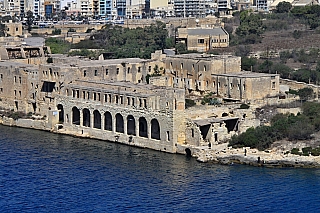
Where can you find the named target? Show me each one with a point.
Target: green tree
(305, 93)
(283, 7)
(30, 19)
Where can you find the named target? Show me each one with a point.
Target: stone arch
(75, 116)
(131, 125)
(61, 113)
(96, 119)
(86, 117)
(143, 127)
(119, 123)
(155, 129)
(107, 121)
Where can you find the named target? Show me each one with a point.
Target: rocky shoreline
(221, 153)
(225, 155)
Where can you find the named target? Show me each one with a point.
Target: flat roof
(207, 121)
(206, 31)
(16, 64)
(246, 74)
(202, 56)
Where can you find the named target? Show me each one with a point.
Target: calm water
(43, 172)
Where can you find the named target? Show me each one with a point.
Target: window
(128, 100)
(1, 90)
(118, 71)
(201, 41)
(95, 72)
(204, 68)
(15, 79)
(139, 69)
(94, 96)
(107, 71)
(273, 85)
(1, 76)
(20, 80)
(128, 69)
(84, 73)
(149, 69)
(218, 84)
(19, 93)
(105, 98)
(83, 94)
(181, 65)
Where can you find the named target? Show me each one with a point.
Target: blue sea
(45, 172)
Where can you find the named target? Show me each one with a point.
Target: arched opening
(96, 119)
(143, 127)
(61, 113)
(224, 114)
(119, 123)
(155, 129)
(86, 117)
(75, 116)
(131, 125)
(188, 152)
(107, 121)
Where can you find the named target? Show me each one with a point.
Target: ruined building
(122, 100)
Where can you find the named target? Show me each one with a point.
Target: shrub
(244, 106)
(295, 151)
(56, 32)
(189, 103)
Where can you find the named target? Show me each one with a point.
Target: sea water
(45, 172)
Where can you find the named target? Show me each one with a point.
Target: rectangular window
(149, 69)
(95, 72)
(83, 94)
(84, 73)
(20, 81)
(118, 71)
(105, 98)
(128, 100)
(201, 41)
(273, 85)
(107, 71)
(139, 69)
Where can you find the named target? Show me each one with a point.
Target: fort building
(140, 102)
